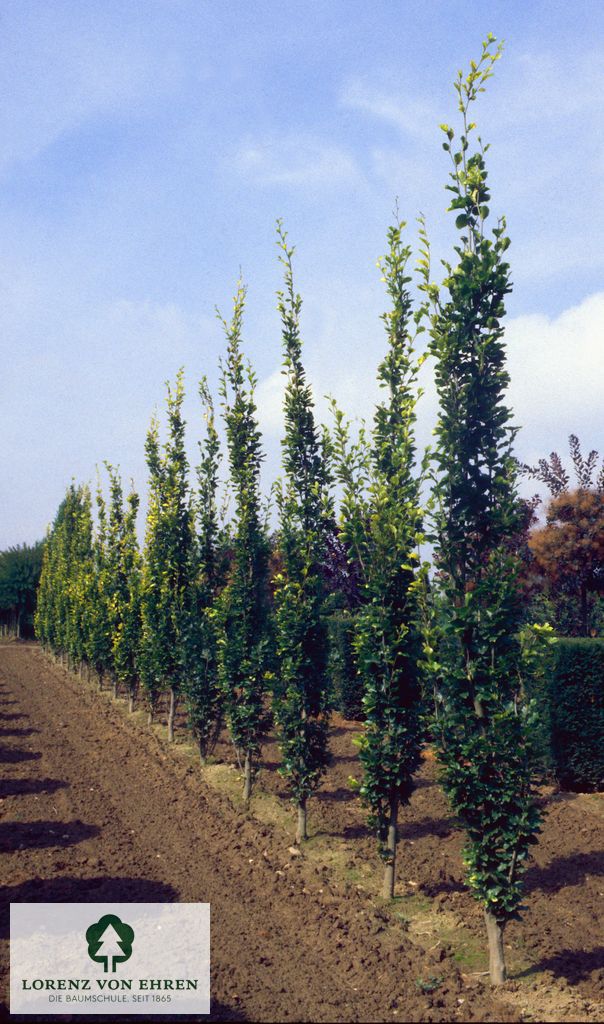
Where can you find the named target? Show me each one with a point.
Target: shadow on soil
(9, 756)
(440, 827)
(101, 889)
(34, 835)
(574, 965)
(18, 732)
(27, 787)
(565, 871)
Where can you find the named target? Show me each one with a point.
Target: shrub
(577, 713)
(346, 684)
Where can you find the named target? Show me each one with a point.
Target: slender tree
(483, 733)
(382, 525)
(203, 694)
(61, 619)
(244, 643)
(166, 579)
(126, 587)
(96, 597)
(305, 510)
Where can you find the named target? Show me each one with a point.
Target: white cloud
(298, 161)
(557, 369)
(409, 114)
(547, 88)
(101, 72)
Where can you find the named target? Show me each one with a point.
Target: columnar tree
(244, 644)
(96, 596)
(382, 526)
(305, 509)
(61, 617)
(166, 580)
(79, 567)
(203, 693)
(51, 611)
(126, 587)
(484, 745)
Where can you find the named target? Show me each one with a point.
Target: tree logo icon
(110, 941)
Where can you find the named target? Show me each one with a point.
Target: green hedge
(346, 686)
(577, 713)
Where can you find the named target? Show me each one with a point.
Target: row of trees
(208, 615)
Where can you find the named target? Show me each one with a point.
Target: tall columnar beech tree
(126, 587)
(484, 741)
(154, 627)
(78, 571)
(244, 643)
(97, 597)
(305, 509)
(58, 620)
(166, 581)
(382, 526)
(203, 694)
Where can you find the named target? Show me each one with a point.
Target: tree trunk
(100, 680)
(131, 702)
(115, 686)
(150, 717)
(171, 713)
(390, 868)
(247, 778)
(496, 954)
(301, 833)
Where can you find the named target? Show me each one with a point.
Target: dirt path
(95, 807)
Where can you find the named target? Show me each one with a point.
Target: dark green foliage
(538, 648)
(346, 685)
(305, 509)
(97, 585)
(20, 569)
(382, 526)
(202, 692)
(245, 636)
(577, 713)
(166, 578)
(124, 570)
(484, 731)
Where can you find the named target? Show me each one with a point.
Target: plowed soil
(95, 806)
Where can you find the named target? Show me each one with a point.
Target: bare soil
(96, 806)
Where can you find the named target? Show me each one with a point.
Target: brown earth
(96, 807)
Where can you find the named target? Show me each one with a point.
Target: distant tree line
(20, 568)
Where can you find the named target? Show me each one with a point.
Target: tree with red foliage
(569, 549)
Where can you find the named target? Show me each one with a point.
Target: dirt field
(95, 806)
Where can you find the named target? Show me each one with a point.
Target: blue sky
(146, 149)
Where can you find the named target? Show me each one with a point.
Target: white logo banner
(108, 958)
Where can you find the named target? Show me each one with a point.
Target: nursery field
(96, 806)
